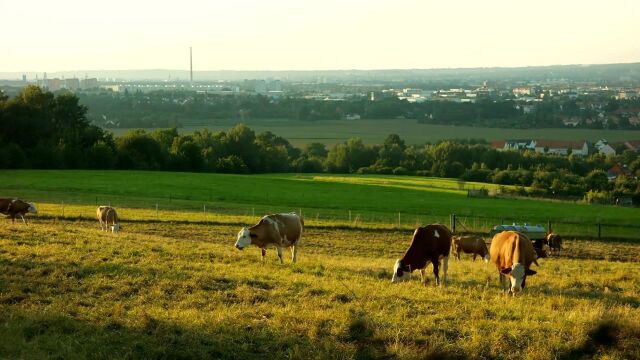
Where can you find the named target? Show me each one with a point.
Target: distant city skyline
(314, 35)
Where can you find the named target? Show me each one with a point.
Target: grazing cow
(512, 253)
(13, 207)
(279, 230)
(541, 248)
(555, 242)
(469, 244)
(430, 243)
(108, 215)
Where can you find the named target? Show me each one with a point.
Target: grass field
(375, 131)
(173, 290)
(371, 200)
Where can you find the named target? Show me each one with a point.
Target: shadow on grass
(608, 338)
(46, 335)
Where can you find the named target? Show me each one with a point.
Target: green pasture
(340, 200)
(175, 290)
(375, 131)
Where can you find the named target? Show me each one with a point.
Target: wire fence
(169, 209)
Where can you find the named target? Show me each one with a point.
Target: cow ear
(530, 272)
(399, 272)
(506, 271)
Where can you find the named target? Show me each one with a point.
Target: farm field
(367, 201)
(375, 131)
(170, 289)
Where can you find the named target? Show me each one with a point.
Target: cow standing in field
(512, 253)
(14, 207)
(469, 244)
(108, 217)
(541, 248)
(279, 230)
(555, 242)
(431, 243)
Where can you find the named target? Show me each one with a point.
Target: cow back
(428, 244)
(510, 247)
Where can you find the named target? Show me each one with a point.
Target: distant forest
(41, 130)
(172, 108)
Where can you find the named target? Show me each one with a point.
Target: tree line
(43, 131)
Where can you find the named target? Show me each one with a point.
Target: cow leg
(474, 256)
(436, 269)
(23, 221)
(445, 267)
(294, 252)
(280, 254)
(423, 275)
(264, 254)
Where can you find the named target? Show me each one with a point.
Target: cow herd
(511, 252)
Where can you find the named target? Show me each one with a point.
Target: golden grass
(180, 290)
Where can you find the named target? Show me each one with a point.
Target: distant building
(561, 147)
(618, 170)
(603, 147)
(90, 83)
(72, 84)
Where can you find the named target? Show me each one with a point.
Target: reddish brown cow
(512, 253)
(431, 243)
(15, 207)
(469, 244)
(555, 242)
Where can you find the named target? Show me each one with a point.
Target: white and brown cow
(431, 243)
(108, 218)
(554, 241)
(469, 244)
(512, 253)
(15, 207)
(279, 230)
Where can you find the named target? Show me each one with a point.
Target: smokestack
(191, 66)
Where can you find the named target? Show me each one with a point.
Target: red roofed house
(618, 170)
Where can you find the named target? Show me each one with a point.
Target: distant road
(375, 131)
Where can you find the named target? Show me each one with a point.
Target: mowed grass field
(363, 201)
(331, 132)
(177, 290)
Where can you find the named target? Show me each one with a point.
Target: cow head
(32, 208)
(115, 228)
(517, 274)
(400, 272)
(244, 239)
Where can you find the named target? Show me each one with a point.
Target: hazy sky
(309, 34)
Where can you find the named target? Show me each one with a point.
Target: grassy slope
(160, 290)
(373, 197)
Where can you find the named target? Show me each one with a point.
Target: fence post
(599, 231)
(549, 226)
(452, 221)
(157, 215)
(398, 220)
(63, 209)
(349, 216)
(253, 212)
(204, 210)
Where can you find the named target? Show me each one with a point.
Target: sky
(65, 35)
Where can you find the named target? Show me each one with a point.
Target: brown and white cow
(279, 230)
(15, 207)
(469, 244)
(108, 218)
(555, 242)
(431, 243)
(512, 253)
